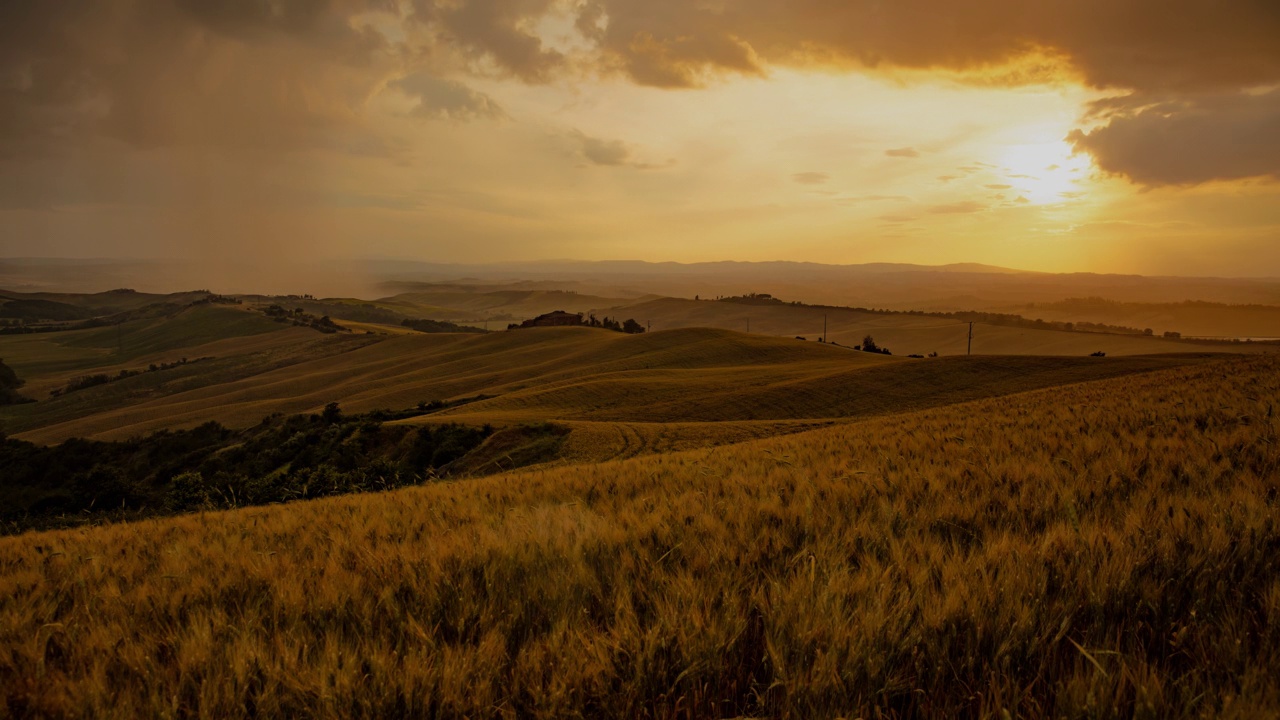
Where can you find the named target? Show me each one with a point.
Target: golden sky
(1059, 135)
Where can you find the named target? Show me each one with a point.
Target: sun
(1044, 172)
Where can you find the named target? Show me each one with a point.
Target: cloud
(872, 198)
(612, 153)
(1137, 44)
(1170, 48)
(1220, 136)
(274, 76)
(968, 206)
(160, 73)
(997, 187)
(604, 152)
(811, 178)
(493, 31)
(438, 98)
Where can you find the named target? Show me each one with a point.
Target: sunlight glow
(1045, 172)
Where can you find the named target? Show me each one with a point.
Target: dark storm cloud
(271, 75)
(282, 74)
(1140, 44)
(1191, 140)
(1176, 49)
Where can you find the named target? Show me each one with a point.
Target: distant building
(559, 318)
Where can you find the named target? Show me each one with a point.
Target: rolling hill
(902, 333)
(1104, 549)
(496, 302)
(584, 374)
(1200, 319)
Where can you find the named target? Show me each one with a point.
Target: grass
(1109, 549)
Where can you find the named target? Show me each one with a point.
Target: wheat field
(1106, 549)
(904, 334)
(685, 375)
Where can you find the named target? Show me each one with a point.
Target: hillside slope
(1103, 550)
(903, 334)
(800, 390)
(562, 373)
(401, 371)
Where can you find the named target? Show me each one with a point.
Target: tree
(332, 414)
(632, 327)
(869, 344)
(9, 384)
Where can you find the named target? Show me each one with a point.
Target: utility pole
(970, 352)
(824, 327)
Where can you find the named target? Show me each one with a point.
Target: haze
(1127, 136)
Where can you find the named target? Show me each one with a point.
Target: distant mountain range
(960, 286)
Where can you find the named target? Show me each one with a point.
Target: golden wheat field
(573, 374)
(903, 334)
(1108, 549)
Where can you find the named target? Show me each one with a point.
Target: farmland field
(676, 360)
(693, 522)
(251, 367)
(1104, 549)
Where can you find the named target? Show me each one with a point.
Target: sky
(1134, 136)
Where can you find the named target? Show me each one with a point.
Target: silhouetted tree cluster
(9, 384)
(439, 326)
(869, 345)
(753, 299)
(301, 318)
(88, 381)
(283, 458)
(216, 299)
(629, 326)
